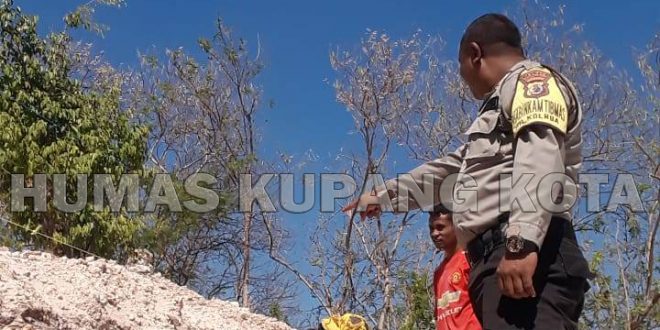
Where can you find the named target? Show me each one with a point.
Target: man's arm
(539, 152)
(436, 170)
(539, 117)
(370, 203)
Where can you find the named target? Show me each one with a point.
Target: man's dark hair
(492, 29)
(438, 210)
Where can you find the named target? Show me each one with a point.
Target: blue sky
(296, 37)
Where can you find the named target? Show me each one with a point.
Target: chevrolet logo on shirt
(447, 298)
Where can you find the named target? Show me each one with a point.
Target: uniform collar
(492, 98)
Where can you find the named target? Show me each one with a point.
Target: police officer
(515, 185)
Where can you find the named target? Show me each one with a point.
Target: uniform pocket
(573, 260)
(483, 139)
(481, 148)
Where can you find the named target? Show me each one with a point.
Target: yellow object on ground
(345, 322)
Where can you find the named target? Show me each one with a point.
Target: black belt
(484, 244)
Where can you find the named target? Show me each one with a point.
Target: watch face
(515, 244)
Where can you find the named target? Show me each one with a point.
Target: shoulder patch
(538, 100)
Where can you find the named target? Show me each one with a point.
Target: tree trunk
(245, 272)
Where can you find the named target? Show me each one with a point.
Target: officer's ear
(475, 53)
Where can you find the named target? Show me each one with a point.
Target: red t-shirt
(453, 309)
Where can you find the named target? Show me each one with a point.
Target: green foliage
(52, 125)
(275, 311)
(81, 17)
(185, 237)
(418, 313)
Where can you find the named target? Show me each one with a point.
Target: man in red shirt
(453, 309)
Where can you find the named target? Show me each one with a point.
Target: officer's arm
(428, 175)
(539, 119)
(539, 152)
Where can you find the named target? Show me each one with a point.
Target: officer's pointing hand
(515, 274)
(367, 204)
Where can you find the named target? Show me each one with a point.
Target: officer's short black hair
(492, 29)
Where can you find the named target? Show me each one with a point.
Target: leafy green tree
(418, 310)
(51, 124)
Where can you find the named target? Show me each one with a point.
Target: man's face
(441, 229)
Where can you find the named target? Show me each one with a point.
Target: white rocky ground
(40, 291)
